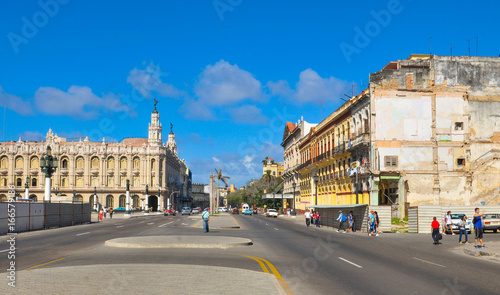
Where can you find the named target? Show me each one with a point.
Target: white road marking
(276, 229)
(86, 233)
(267, 224)
(425, 261)
(166, 224)
(142, 222)
(151, 223)
(4, 250)
(120, 226)
(184, 223)
(350, 262)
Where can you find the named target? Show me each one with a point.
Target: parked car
(236, 211)
(195, 211)
(455, 221)
(186, 211)
(119, 209)
(169, 212)
(491, 222)
(222, 209)
(272, 213)
(248, 212)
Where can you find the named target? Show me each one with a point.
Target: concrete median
(203, 242)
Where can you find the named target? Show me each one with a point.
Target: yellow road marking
(236, 221)
(30, 268)
(261, 261)
(264, 268)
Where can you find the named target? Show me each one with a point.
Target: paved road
(311, 260)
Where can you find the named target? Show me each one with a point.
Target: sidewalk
(221, 221)
(491, 252)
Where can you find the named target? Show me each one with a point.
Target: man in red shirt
(435, 231)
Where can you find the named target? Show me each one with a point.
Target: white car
(272, 213)
(455, 221)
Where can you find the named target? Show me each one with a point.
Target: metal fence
(420, 217)
(27, 216)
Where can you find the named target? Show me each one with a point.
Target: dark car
(236, 211)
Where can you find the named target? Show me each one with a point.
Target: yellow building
(276, 169)
(325, 155)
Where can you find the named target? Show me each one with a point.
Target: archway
(109, 201)
(78, 199)
(153, 203)
(136, 202)
(122, 201)
(3, 198)
(33, 198)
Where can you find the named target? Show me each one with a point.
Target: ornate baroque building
(86, 167)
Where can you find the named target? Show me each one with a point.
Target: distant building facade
(88, 167)
(275, 169)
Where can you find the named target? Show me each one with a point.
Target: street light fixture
(27, 189)
(158, 210)
(48, 165)
(316, 178)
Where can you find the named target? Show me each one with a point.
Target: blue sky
(228, 73)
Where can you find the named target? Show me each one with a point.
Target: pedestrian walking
(101, 213)
(463, 229)
(377, 224)
(371, 223)
(350, 218)
(447, 221)
(435, 231)
(206, 219)
(317, 218)
(110, 213)
(478, 228)
(308, 217)
(342, 218)
(105, 211)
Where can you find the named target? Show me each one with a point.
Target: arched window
(79, 163)
(3, 198)
(94, 163)
(19, 163)
(34, 181)
(153, 164)
(4, 162)
(111, 163)
(64, 163)
(136, 201)
(137, 163)
(33, 198)
(109, 201)
(122, 201)
(34, 163)
(64, 181)
(19, 182)
(123, 163)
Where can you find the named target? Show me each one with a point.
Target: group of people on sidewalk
(462, 225)
(104, 211)
(315, 217)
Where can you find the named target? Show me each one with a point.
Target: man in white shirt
(308, 217)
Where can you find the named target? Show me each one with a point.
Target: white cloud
(312, 88)
(226, 84)
(149, 80)
(32, 136)
(193, 109)
(248, 114)
(78, 102)
(15, 103)
(271, 150)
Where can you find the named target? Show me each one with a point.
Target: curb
(122, 243)
(480, 253)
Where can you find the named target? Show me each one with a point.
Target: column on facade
(117, 168)
(129, 168)
(86, 171)
(11, 169)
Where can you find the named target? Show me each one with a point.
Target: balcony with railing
(358, 139)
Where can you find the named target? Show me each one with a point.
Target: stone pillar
(48, 183)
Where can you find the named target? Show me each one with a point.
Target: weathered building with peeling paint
(435, 131)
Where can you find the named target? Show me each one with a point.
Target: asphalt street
(310, 260)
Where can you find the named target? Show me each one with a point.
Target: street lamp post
(74, 195)
(48, 163)
(316, 178)
(146, 205)
(95, 199)
(176, 192)
(158, 211)
(127, 209)
(293, 186)
(27, 189)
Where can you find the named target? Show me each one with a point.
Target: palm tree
(264, 162)
(222, 178)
